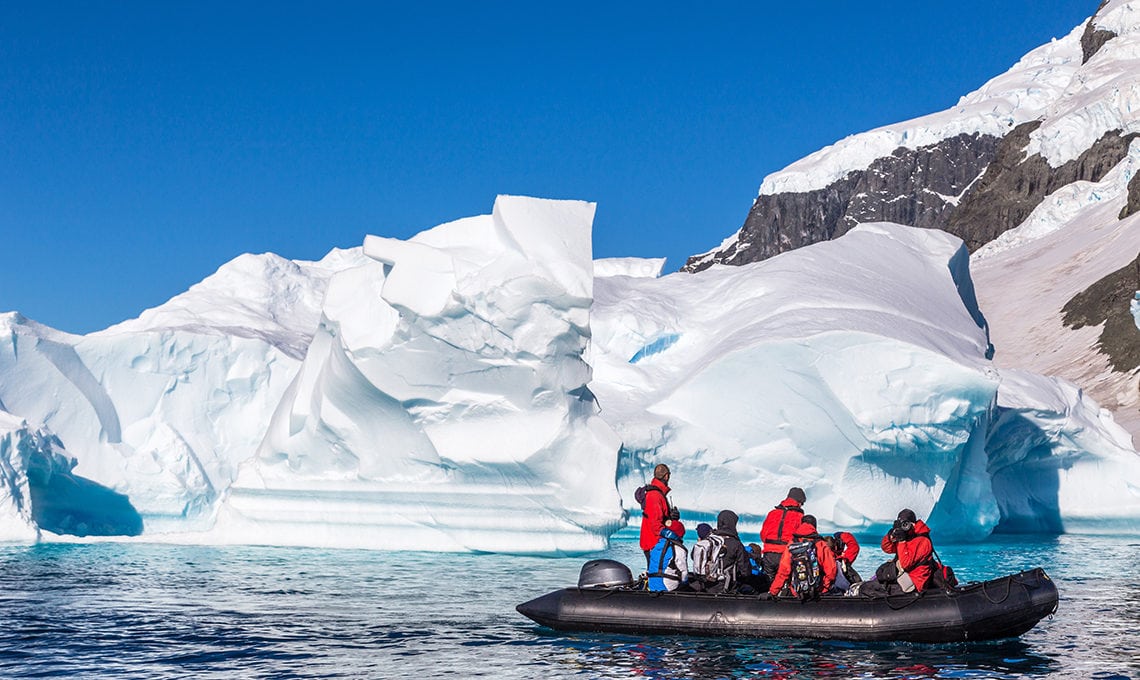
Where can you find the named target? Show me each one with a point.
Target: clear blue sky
(142, 145)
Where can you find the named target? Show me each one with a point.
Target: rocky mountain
(1035, 172)
(975, 171)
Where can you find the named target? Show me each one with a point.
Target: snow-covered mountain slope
(1041, 286)
(1065, 112)
(856, 369)
(1036, 171)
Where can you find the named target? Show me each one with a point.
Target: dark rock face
(998, 188)
(1133, 205)
(911, 186)
(1094, 38)
(1107, 301)
(1013, 185)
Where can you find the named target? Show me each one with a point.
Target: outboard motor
(604, 574)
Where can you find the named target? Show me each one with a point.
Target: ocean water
(132, 610)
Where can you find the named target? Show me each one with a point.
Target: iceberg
(638, 267)
(485, 386)
(858, 369)
(443, 403)
(163, 408)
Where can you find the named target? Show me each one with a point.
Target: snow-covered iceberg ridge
(443, 403)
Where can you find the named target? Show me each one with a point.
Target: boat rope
(1008, 587)
(603, 593)
(907, 600)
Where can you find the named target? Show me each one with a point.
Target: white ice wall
(442, 403)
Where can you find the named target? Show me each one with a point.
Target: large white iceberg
(439, 393)
(443, 402)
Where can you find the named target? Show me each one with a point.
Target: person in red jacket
(909, 540)
(658, 512)
(846, 549)
(806, 531)
(778, 528)
(850, 547)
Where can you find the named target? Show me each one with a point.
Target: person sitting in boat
(846, 549)
(720, 559)
(778, 529)
(656, 510)
(914, 563)
(807, 567)
(909, 541)
(756, 577)
(669, 560)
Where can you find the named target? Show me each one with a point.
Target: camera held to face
(902, 530)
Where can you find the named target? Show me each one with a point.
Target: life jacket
(710, 560)
(778, 528)
(665, 560)
(806, 579)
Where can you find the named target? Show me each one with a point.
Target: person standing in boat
(778, 529)
(656, 512)
(816, 578)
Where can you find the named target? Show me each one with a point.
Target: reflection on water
(615, 657)
(133, 610)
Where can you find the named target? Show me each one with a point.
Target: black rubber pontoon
(1002, 608)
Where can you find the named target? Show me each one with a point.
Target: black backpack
(806, 579)
(941, 576)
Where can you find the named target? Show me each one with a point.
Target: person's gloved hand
(674, 514)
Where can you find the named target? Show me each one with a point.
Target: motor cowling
(604, 574)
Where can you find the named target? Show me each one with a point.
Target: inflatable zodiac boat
(606, 601)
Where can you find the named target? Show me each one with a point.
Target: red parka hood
(920, 528)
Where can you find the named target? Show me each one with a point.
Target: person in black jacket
(734, 549)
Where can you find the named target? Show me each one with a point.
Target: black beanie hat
(808, 519)
(797, 494)
(907, 515)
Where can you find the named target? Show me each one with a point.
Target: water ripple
(126, 611)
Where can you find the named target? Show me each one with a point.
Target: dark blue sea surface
(133, 610)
